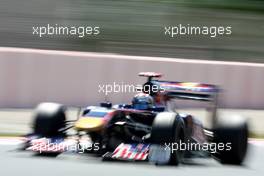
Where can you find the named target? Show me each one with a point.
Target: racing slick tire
(49, 119)
(169, 128)
(232, 131)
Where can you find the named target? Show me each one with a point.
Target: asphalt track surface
(14, 162)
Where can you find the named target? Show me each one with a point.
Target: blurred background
(136, 27)
(127, 27)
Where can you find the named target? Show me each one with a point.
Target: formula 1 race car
(156, 133)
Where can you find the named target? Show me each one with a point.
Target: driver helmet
(142, 101)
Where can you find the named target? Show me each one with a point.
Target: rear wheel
(168, 128)
(233, 132)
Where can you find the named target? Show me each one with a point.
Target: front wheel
(49, 119)
(168, 129)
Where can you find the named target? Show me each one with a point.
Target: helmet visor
(141, 105)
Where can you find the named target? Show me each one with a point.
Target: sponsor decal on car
(131, 152)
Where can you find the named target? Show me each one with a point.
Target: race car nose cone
(89, 124)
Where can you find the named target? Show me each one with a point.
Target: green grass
(251, 135)
(255, 135)
(240, 5)
(11, 134)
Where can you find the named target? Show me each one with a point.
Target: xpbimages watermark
(45, 145)
(191, 146)
(127, 88)
(211, 31)
(78, 31)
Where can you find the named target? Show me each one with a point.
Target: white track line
(11, 140)
(258, 142)
(19, 140)
(126, 57)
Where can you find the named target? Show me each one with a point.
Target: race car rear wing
(190, 91)
(183, 90)
(187, 90)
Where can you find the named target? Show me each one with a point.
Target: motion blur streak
(137, 27)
